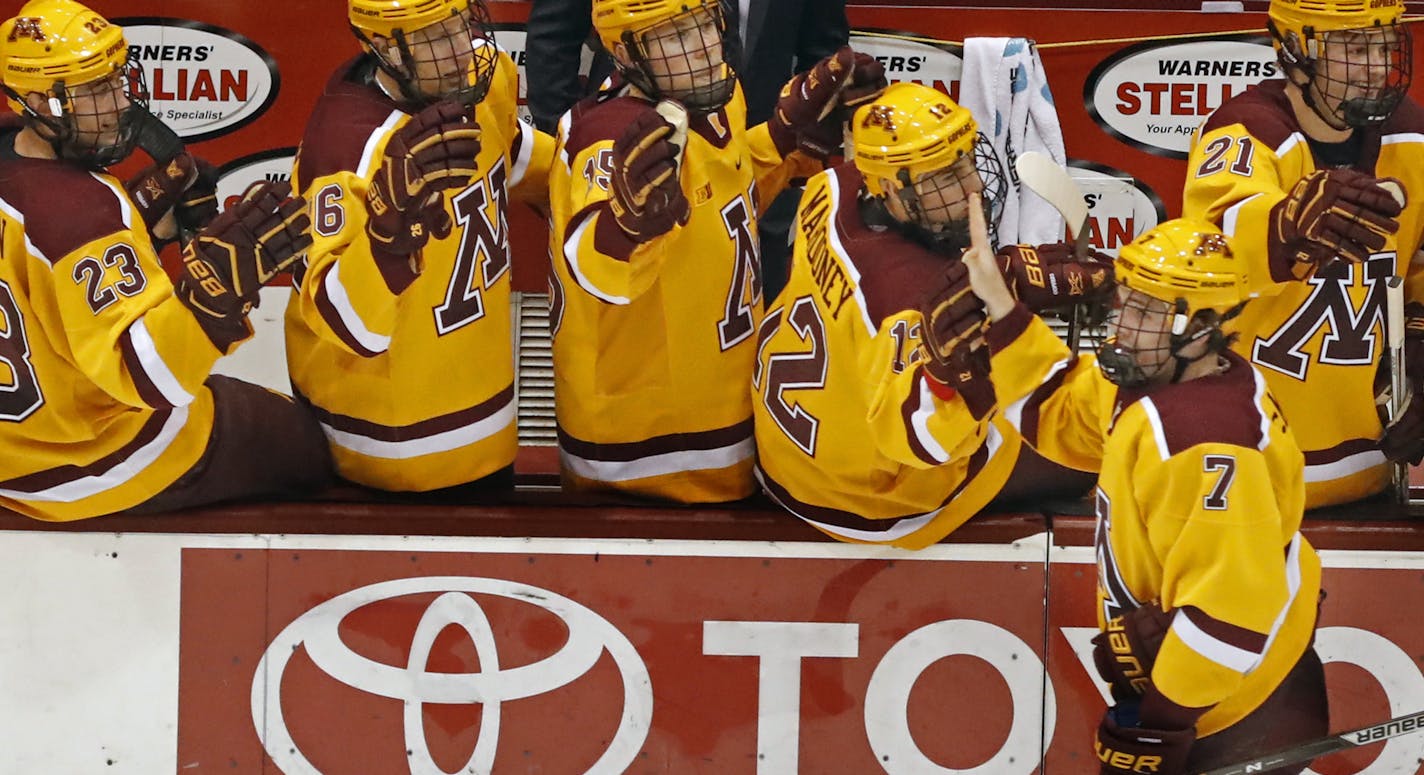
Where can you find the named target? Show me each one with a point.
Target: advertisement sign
(590, 661)
(1119, 206)
(1154, 95)
(203, 80)
(910, 57)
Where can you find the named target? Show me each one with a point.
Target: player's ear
(620, 53)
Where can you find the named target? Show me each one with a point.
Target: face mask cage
(685, 59)
(453, 59)
(1357, 77)
(936, 201)
(94, 124)
(1144, 338)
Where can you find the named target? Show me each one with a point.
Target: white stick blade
(1045, 177)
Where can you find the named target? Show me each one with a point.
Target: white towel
(1004, 86)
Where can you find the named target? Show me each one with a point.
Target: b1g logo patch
(203, 80)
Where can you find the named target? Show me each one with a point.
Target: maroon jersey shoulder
(1263, 109)
(895, 271)
(1220, 409)
(345, 117)
(599, 118)
(63, 206)
(1407, 118)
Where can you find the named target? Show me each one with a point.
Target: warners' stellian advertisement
(1153, 96)
(203, 80)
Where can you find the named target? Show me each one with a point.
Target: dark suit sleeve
(553, 45)
(824, 29)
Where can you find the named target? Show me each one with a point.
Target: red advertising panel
(306, 661)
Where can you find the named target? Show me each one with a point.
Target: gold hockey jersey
(102, 401)
(1318, 342)
(851, 435)
(1199, 501)
(414, 391)
(653, 344)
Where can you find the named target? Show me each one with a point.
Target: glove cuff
(397, 270)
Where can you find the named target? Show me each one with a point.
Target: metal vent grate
(534, 370)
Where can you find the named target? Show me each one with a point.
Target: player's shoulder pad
(64, 207)
(342, 123)
(1264, 110)
(1222, 409)
(894, 272)
(594, 120)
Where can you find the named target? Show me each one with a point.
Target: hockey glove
(199, 204)
(1331, 213)
(433, 152)
(1125, 651)
(806, 118)
(1126, 749)
(242, 250)
(1049, 277)
(156, 189)
(953, 325)
(646, 198)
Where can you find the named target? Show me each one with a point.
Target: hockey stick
(1400, 725)
(1399, 393)
(1045, 177)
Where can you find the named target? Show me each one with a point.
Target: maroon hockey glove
(1330, 213)
(156, 189)
(867, 81)
(1133, 750)
(198, 206)
(804, 118)
(953, 322)
(647, 199)
(433, 152)
(1125, 652)
(242, 250)
(1048, 277)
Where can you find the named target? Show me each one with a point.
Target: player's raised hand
(1333, 213)
(433, 152)
(647, 199)
(243, 249)
(1050, 276)
(984, 275)
(805, 117)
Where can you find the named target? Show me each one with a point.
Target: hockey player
(106, 403)
(399, 332)
(656, 281)
(861, 430)
(1290, 169)
(1207, 592)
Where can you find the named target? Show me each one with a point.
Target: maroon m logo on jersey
(1351, 337)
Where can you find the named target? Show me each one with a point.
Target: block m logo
(1351, 331)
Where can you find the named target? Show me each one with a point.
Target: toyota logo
(317, 631)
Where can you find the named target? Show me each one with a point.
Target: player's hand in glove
(1049, 277)
(198, 206)
(1125, 651)
(647, 199)
(242, 250)
(156, 189)
(431, 153)
(1331, 213)
(806, 116)
(1123, 748)
(953, 330)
